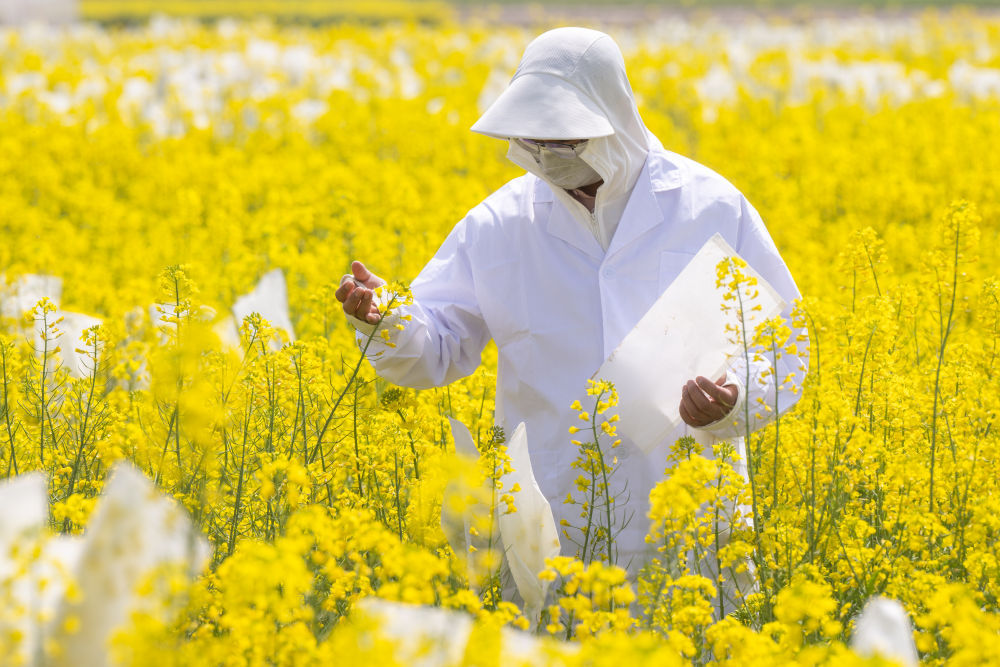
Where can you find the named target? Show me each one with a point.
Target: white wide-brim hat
(537, 105)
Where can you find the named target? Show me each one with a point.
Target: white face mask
(567, 173)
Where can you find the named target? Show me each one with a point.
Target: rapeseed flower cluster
(151, 175)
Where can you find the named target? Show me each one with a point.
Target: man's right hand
(357, 293)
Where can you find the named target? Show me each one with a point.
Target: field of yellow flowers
(151, 175)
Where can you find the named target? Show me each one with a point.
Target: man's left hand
(704, 401)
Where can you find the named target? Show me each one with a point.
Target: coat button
(609, 273)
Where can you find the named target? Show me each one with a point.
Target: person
(559, 264)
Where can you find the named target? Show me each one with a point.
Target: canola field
(153, 175)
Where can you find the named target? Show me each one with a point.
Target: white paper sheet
(682, 336)
(529, 534)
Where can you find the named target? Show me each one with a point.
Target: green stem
(945, 333)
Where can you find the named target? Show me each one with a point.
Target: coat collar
(642, 211)
(558, 221)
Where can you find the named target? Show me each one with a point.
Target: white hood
(571, 84)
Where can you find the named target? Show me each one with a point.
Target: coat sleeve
(443, 332)
(765, 390)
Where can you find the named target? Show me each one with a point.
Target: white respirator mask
(567, 173)
(560, 163)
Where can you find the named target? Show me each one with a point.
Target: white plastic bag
(683, 335)
(23, 508)
(529, 535)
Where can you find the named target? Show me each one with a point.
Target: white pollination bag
(456, 513)
(71, 339)
(884, 630)
(270, 299)
(430, 636)
(23, 515)
(422, 636)
(27, 290)
(137, 542)
(686, 333)
(529, 534)
(23, 12)
(137, 547)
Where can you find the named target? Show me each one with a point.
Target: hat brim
(543, 106)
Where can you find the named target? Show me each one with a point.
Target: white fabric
(594, 68)
(541, 104)
(519, 268)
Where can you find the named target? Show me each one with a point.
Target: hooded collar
(641, 212)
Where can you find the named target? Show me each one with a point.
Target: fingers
(704, 401)
(353, 300)
(347, 286)
(725, 396)
(360, 304)
(686, 415)
(365, 307)
(357, 293)
(689, 413)
(361, 273)
(700, 408)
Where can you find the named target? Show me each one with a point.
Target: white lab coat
(522, 270)
(558, 287)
